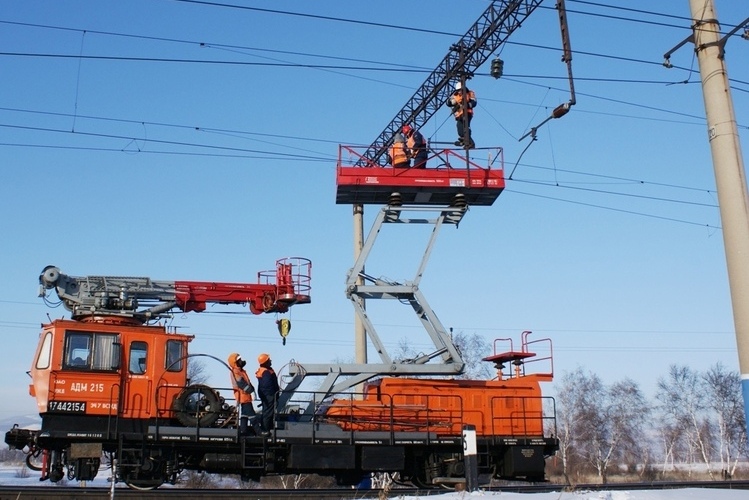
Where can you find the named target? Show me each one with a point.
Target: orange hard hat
(406, 129)
(263, 358)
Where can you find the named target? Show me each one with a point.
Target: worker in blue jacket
(267, 388)
(416, 146)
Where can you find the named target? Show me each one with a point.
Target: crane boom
(490, 31)
(144, 299)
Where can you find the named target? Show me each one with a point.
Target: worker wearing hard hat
(416, 146)
(267, 389)
(462, 102)
(243, 389)
(398, 155)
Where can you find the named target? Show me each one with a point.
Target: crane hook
(284, 327)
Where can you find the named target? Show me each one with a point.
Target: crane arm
(144, 299)
(490, 31)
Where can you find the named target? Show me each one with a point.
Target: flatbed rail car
(399, 424)
(449, 173)
(408, 425)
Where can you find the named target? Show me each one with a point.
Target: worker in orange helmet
(267, 388)
(416, 146)
(398, 155)
(462, 102)
(243, 389)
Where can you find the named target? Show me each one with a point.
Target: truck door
(139, 397)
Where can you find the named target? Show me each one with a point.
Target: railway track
(99, 493)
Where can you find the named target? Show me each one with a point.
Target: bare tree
(681, 403)
(669, 434)
(404, 351)
(627, 413)
(576, 405)
(473, 348)
(599, 424)
(196, 371)
(723, 391)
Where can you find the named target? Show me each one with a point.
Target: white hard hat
(458, 86)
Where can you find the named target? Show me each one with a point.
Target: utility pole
(729, 171)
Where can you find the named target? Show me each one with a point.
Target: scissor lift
(434, 197)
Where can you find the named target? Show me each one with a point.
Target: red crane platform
(448, 173)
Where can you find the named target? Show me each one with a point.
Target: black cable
(629, 19)
(165, 124)
(173, 143)
(631, 212)
(316, 16)
(619, 101)
(269, 155)
(620, 179)
(206, 61)
(647, 12)
(410, 68)
(629, 9)
(615, 193)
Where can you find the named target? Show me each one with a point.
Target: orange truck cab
(113, 371)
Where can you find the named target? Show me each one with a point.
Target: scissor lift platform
(448, 173)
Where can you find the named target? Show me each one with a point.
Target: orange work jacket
(398, 155)
(456, 102)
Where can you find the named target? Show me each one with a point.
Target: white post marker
(470, 452)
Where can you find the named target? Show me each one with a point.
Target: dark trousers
(461, 127)
(247, 417)
(420, 160)
(266, 421)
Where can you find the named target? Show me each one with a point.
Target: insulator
(459, 201)
(497, 68)
(561, 110)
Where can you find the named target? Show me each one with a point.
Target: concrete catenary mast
(728, 165)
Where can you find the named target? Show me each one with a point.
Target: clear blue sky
(118, 161)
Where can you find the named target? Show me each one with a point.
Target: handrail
(471, 164)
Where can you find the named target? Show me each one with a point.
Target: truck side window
(89, 351)
(137, 357)
(173, 356)
(78, 350)
(45, 352)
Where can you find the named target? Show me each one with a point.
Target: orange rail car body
(512, 407)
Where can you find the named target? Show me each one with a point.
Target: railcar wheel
(430, 467)
(141, 473)
(197, 406)
(143, 484)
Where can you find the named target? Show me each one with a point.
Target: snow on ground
(19, 475)
(13, 475)
(682, 494)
